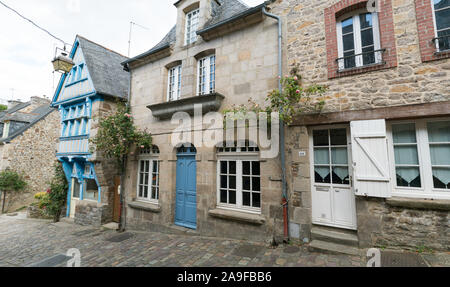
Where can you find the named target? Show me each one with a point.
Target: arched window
(148, 175)
(239, 178)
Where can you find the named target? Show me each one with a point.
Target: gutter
(282, 125)
(247, 12)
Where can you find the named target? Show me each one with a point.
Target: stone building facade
(237, 47)
(28, 147)
(376, 161)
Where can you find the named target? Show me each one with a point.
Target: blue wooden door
(186, 201)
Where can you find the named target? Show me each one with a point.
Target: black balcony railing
(364, 59)
(442, 43)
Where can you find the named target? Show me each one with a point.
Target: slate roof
(31, 118)
(105, 69)
(226, 10)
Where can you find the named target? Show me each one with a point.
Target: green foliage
(11, 181)
(3, 108)
(294, 100)
(57, 194)
(117, 134)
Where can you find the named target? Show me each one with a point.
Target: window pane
(256, 200)
(76, 188)
(440, 154)
(246, 183)
(367, 37)
(246, 198)
(407, 155)
(444, 41)
(349, 42)
(321, 156)
(439, 132)
(338, 137)
(223, 196)
(320, 138)
(256, 168)
(322, 174)
(443, 19)
(223, 167)
(349, 62)
(232, 182)
(232, 197)
(408, 176)
(232, 167)
(223, 181)
(341, 175)
(246, 167)
(154, 194)
(141, 191)
(256, 184)
(368, 57)
(347, 26)
(441, 178)
(365, 20)
(405, 133)
(145, 191)
(339, 156)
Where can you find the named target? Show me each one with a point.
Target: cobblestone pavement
(24, 242)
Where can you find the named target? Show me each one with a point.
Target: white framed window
(207, 75)
(420, 152)
(174, 84)
(148, 175)
(441, 15)
(239, 180)
(358, 40)
(192, 20)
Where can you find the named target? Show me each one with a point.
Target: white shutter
(370, 159)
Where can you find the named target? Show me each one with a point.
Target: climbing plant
(117, 134)
(57, 194)
(294, 100)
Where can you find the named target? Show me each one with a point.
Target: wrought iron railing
(442, 43)
(361, 60)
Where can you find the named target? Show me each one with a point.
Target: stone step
(333, 248)
(339, 236)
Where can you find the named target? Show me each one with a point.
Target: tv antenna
(131, 31)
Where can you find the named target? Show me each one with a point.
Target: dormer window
(192, 20)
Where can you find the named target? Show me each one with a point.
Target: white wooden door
(333, 199)
(75, 196)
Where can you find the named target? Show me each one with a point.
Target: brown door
(116, 212)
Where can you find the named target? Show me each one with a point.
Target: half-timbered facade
(84, 95)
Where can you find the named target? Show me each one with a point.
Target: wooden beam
(437, 109)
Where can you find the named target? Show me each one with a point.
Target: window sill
(145, 206)
(362, 68)
(440, 205)
(210, 103)
(232, 215)
(442, 54)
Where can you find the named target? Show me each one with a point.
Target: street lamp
(62, 63)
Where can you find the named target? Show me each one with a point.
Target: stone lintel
(238, 216)
(441, 205)
(150, 207)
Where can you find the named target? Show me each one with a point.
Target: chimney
(38, 101)
(13, 103)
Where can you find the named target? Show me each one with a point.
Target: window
(441, 11)
(239, 179)
(207, 75)
(358, 41)
(148, 177)
(91, 189)
(331, 156)
(192, 19)
(421, 152)
(174, 89)
(75, 121)
(75, 188)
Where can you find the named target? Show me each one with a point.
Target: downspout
(285, 201)
(122, 219)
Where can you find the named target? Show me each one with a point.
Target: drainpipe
(282, 131)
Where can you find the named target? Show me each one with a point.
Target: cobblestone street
(26, 242)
